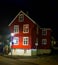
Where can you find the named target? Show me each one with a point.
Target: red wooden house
(27, 37)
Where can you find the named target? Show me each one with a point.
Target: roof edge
(25, 15)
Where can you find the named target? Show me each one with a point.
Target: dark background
(45, 13)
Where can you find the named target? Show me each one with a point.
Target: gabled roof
(25, 15)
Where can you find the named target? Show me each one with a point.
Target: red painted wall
(34, 36)
(48, 37)
(31, 34)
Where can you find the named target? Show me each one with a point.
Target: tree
(5, 39)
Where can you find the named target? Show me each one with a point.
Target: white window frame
(44, 30)
(24, 31)
(16, 27)
(24, 40)
(44, 40)
(21, 17)
(15, 40)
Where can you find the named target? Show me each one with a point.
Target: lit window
(25, 40)
(44, 32)
(16, 28)
(15, 40)
(44, 41)
(21, 17)
(25, 28)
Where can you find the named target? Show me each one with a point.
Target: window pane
(44, 31)
(16, 28)
(15, 40)
(26, 28)
(44, 41)
(21, 17)
(25, 40)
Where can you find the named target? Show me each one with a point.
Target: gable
(24, 15)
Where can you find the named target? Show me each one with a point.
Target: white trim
(46, 28)
(45, 41)
(28, 28)
(24, 39)
(15, 41)
(16, 27)
(25, 15)
(21, 15)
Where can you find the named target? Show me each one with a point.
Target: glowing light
(36, 44)
(12, 34)
(14, 41)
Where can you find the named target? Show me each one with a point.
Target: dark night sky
(45, 13)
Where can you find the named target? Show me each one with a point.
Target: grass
(34, 60)
(43, 60)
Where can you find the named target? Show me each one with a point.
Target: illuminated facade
(28, 37)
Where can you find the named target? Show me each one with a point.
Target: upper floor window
(26, 28)
(44, 41)
(21, 17)
(25, 40)
(44, 32)
(16, 28)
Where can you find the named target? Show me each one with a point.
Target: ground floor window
(25, 40)
(44, 41)
(15, 40)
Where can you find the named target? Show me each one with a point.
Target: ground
(38, 60)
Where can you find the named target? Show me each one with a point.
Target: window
(25, 40)
(25, 28)
(44, 32)
(15, 40)
(16, 28)
(21, 17)
(44, 41)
